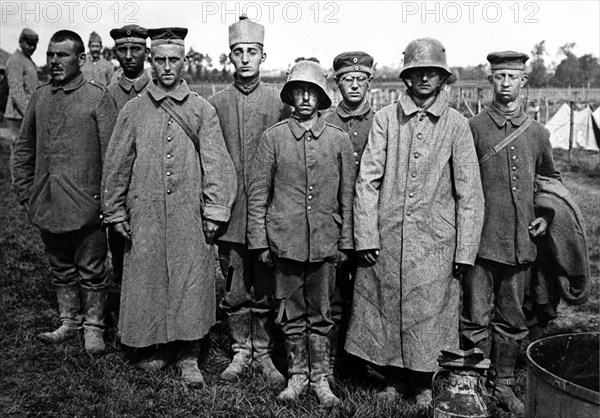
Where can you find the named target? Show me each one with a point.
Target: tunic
(59, 154)
(124, 90)
(21, 74)
(100, 71)
(419, 201)
(154, 178)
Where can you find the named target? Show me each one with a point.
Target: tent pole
(571, 128)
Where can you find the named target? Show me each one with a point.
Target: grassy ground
(62, 380)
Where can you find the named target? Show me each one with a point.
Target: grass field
(62, 380)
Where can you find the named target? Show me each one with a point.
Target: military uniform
(99, 70)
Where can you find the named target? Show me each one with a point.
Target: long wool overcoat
(153, 178)
(419, 201)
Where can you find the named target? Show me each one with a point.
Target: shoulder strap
(500, 145)
(168, 107)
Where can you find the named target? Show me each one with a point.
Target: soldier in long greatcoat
(418, 213)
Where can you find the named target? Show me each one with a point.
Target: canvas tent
(586, 131)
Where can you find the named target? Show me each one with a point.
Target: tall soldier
(246, 109)
(96, 67)
(353, 76)
(132, 53)
(58, 168)
(503, 268)
(168, 180)
(417, 222)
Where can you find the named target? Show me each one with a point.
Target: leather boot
(297, 354)
(262, 345)
(333, 350)
(188, 364)
(319, 369)
(69, 306)
(164, 355)
(94, 310)
(240, 326)
(504, 359)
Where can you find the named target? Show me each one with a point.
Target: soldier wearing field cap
(246, 109)
(21, 74)
(96, 67)
(168, 184)
(353, 75)
(512, 149)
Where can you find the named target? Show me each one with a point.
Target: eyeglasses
(348, 80)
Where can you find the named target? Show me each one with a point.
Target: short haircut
(68, 35)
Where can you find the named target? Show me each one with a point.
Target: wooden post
(546, 104)
(571, 127)
(479, 94)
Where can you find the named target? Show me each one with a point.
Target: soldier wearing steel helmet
(417, 221)
(300, 221)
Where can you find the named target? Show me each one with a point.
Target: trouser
(116, 244)
(14, 126)
(78, 257)
(488, 286)
(248, 282)
(302, 292)
(342, 296)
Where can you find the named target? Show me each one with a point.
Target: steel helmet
(424, 52)
(309, 72)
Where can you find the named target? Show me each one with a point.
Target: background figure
(168, 184)
(58, 169)
(417, 222)
(96, 67)
(300, 221)
(502, 271)
(246, 109)
(22, 77)
(353, 76)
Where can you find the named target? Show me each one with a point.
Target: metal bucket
(563, 377)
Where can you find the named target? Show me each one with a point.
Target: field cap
(347, 62)
(94, 37)
(247, 32)
(507, 60)
(129, 33)
(28, 35)
(163, 36)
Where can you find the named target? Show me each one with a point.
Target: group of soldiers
(353, 231)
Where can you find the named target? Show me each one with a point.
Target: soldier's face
(28, 47)
(168, 62)
(246, 58)
(64, 64)
(424, 82)
(95, 49)
(131, 56)
(507, 84)
(354, 86)
(306, 99)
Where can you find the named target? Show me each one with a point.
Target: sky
(468, 29)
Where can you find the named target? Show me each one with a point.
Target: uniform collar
(179, 94)
(345, 112)
(299, 131)
(92, 59)
(500, 118)
(71, 85)
(439, 105)
(138, 84)
(246, 87)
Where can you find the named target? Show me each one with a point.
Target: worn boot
(262, 345)
(333, 351)
(69, 306)
(240, 326)
(162, 357)
(504, 359)
(188, 364)
(297, 354)
(94, 309)
(319, 369)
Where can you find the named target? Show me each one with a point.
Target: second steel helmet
(309, 72)
(424, 52)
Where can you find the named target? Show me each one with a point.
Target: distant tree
(477, 73)
(538, 76)
(568, 71)
(590, 70)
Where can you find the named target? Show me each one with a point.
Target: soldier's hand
(538, 227)
(340, 259)
(210, 229)
(368, 256)
(122, 228)
(460, 269)
(265, 257)
(25, 206)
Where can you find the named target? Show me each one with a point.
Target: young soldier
(96, 67)
(417, 220)
(58, 168)
(507, 250)
(300, 221)
(167, 181)
(353, 75)
(246, 109)
(132, 53)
